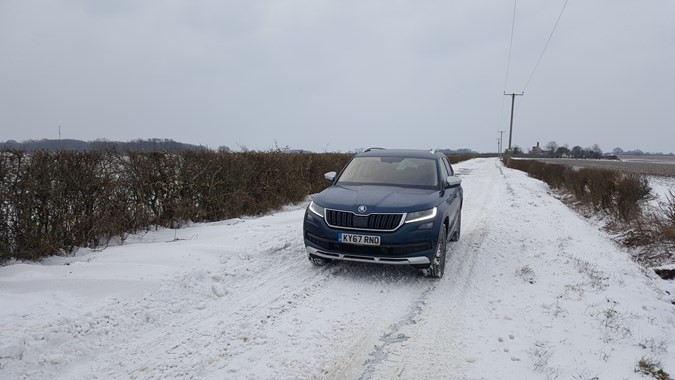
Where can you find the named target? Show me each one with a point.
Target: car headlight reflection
(315, 208)
(418, 216)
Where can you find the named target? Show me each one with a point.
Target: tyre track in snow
(429, 342)
(339, 321)
(207, 331)
(169, 331)
(381, 356)
(216, 324)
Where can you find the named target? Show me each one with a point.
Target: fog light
(426, 226)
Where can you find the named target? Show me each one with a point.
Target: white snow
(531, 291)
(662, 187)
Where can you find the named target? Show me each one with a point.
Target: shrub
(632, 189)
(576, 181)
(617, 193)
(54, 201)
(455, 158)
(651, 367)
(552, 174)
(555, 175)
(57, 201)
(602, 186)
(666, 220)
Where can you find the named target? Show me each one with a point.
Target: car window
(444, 169)
(397, 171)
(447, 165)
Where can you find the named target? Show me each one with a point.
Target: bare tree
(597, 150)
(562, 151)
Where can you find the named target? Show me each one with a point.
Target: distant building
(536, 150)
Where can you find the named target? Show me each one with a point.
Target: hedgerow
(53, 202)
(619, 194)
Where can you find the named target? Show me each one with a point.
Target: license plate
(359, 239)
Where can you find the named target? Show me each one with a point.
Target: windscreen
(396, 171)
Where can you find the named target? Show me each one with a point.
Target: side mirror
(330, 176)
(453, 181)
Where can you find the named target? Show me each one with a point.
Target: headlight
(315, 208)
(420, 215)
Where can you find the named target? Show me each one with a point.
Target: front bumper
(408, 245)
(416, 260)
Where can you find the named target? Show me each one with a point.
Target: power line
(508, 63)
(545, 46)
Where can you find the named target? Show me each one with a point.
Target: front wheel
(437, 266)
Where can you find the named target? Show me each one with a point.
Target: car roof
(411, 153)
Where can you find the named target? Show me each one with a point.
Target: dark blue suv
(389, 207)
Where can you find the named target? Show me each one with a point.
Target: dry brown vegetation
(55, 202)
(620, 195)
(667, 222)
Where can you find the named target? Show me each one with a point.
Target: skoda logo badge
(362, 209)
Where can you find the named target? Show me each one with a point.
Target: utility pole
(513, 102)
(501, 139)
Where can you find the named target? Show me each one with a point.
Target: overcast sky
(339, 75)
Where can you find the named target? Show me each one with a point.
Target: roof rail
(373, 148)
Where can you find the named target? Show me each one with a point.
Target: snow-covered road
(531, 291)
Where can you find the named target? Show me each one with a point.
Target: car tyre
(437, 266)
(458, 228)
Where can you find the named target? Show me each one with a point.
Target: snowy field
(531, 291)
(663, 166)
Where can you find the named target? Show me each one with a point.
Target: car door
(453, 195)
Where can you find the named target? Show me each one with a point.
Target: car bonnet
(377, 199)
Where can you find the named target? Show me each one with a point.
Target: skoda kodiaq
(388, 207)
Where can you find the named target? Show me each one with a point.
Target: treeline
(57, 201)
(638, 152)
(139, 145)
(553, 150)
(576, 152)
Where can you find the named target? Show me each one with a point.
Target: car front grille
(373, 222)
